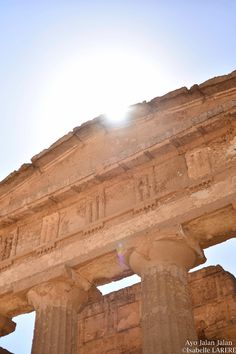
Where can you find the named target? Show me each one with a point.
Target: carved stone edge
(146, 206)
(93, 228)
(153, 203)
(46, 248)
(143, 207)
(193, 244)
(203, 184)
(62, 272)
(5, 264)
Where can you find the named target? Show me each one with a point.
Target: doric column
(57, 304)
(6, 326)
(162, 261)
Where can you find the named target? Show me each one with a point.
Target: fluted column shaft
(55, 331)
(167, 320)
(56, 325)
(163, 261)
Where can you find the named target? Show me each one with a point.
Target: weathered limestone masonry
(113, 324)
(213, 295)
(158, 189)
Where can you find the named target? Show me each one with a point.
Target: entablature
(220, 128)
(151, 181)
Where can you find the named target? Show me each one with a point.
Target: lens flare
(121, 254)
(117, 114)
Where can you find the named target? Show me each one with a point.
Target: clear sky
(64, 62)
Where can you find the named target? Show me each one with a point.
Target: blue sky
(64, 62)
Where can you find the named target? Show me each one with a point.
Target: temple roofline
(170, 101)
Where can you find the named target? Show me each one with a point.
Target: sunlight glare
(117, 114)
(85, 86)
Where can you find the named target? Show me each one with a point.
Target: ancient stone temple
(144, 196)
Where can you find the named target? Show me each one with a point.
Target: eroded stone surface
(6, 326)
(4, 351)
(167, 318)
(114, 323)
(57, 304)
(213, 293)
(100, 191)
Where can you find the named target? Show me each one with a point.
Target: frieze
(8, 244)
(72, 218)
(49, 233)
(222, 150)
(159, 184)
(145, 185)
(171, 176)
(95, 206)
(151, 187)
(49, 229)
(198, 162)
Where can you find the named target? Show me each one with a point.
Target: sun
(103, 82)
(117, 114)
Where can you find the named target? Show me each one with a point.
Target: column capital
(65, 292)
(6, 326)
(166, 246)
